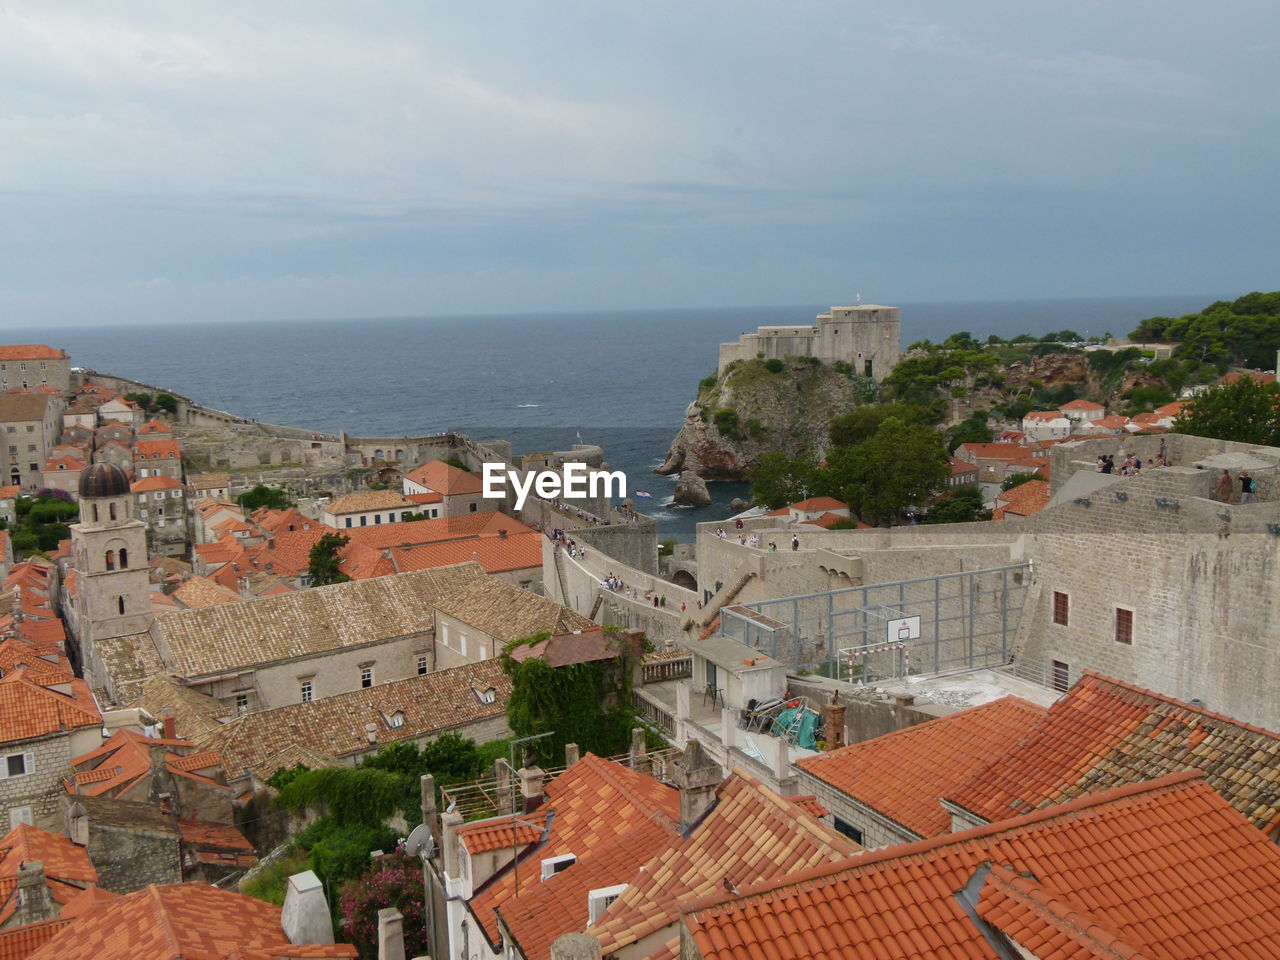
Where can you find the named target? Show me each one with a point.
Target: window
(364, 520)
(377, 519)
(1124, 625)
(143, 514)
(33, 466)
(110, 559)
(1060, 606)
(849, 830)
(124, 558)
(348, 521)
(1061, 679)
(18, 765)
(366, 676)
(159, 495)
(31, 428)
(175, 494)
(305, 688)
(31, 448)
(111, 510)
(394, 720)
(120, 605)
(142, 497)
(242, 703)
(422, 666)
(473, 508)
(19, 816)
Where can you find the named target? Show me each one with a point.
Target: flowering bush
(394, 880)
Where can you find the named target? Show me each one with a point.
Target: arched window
(111, 509)
(95, 513)
(377, 454)
(124, 558)
(111, 559)
(120, 604)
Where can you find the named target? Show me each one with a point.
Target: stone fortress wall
(866, 336)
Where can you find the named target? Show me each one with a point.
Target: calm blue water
(620, 379)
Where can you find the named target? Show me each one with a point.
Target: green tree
(974, 429)
(144, 400)
(273, 498)
(861, 423)
(323, 561)
(167, 402)
(1017, 480)
(584, 703)
(1246, 410)
(394, 880)
(962, 505)
(902, 466)
(778, 480)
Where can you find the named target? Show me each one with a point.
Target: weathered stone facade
(865, 336)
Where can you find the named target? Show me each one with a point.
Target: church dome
(103, 480)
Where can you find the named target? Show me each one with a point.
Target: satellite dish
(420, 842)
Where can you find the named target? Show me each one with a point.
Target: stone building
(26, 367)
(30, 423)
(368, 508)
(161, 505)
(157, 458)
(44, 722)
(866, 337)
(109, 595)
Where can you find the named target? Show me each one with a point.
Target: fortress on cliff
(865, 336)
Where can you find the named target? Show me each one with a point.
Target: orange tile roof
(445, 478)
(32, 351)
(363, 500)
(1105, 732)
(750, 835)
(1044, 415)
(10, 492)
(203, 592)
(1171, 409)
(1025, 499)
(612, 819)
(67, 869)
(487, 523)
(819, 503)
(1253, 375)
(29, 710)
(15, 653)
(204, 833)
(128, 758)
(84, 901)
(18, 943)
(155, 426)
(502, 833)
(904, 775)
(157, 450)
(522, 551)
(64, 464)
(181, 921)
(147, 484)
(1082, 405)
(960, 466)
(995, 451)
(1166, 866)
(1113, 422)
(828, 520)
(421, 499)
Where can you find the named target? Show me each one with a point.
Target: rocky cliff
(756, 408)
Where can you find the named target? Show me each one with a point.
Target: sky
(193, 162)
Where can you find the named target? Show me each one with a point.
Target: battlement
(865, 336)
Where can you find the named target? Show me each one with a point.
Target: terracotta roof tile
(612, 819)
(1104, 733)
(570, 648)
(1166, 867)
(188, 921)
(486, 523)
(507, 612)
(445, 478)
(32, 351)
(157, 450)
(155, 426)
(67, 869)
(522, 551)
(1079, 405)
(18, 943)
(336, 726)
(203, 592)
(204, 833)
(904, 775)
(29, 710)
(363, 500)
(750, 835)
(819, 503)
(148, 484)
(501, 833)
(1025, 499)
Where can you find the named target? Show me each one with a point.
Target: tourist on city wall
(1246, 487)
(1225, 486)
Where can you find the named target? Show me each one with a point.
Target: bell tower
(112, 596)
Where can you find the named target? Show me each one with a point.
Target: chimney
(570, 754)
(638, 756)
(170, 728)
(502, 534)
(531, 779)
(34, 903)
(390, 934)
(78, 825)
(697, 776)
(576, 946)
(833, 720)
(305, 916)
(450, 824)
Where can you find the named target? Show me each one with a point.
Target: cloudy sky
(195, 161)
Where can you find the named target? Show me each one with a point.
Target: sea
(620, 379)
